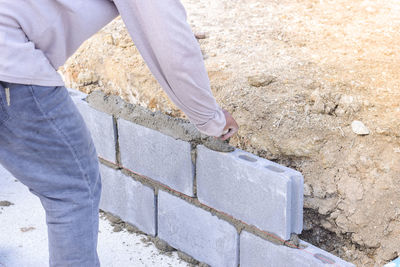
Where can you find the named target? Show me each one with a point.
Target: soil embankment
(295, 75)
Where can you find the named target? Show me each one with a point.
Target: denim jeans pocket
(4, 116)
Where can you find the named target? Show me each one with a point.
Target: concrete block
(257, 252)
(255, 190)
(101, 127)
(157, 156)
(76, 95)
(128, 199)
(196, 232)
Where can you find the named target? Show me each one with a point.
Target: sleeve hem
(214, 126)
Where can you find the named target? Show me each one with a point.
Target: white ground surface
(23, 235)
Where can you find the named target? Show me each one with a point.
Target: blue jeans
(46, 145)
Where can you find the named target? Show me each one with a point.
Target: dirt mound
(295, 75)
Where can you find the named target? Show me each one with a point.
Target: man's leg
(45, 144)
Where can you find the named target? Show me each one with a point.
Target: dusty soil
(295, 75)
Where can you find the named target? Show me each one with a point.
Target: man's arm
(166, 42)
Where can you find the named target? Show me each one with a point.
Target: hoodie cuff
(214, 126)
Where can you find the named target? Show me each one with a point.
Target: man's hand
(231, 126)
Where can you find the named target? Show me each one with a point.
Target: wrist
(214, 126)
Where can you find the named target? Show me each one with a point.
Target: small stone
(147, 240)
(87, 78)
(293, 242)
(131, 229)
(261, 80)
(162, 245)
(27, 229)
(117, 228)
(187, 258)
(307, 190)
(108, 39)
(113, 219)
(200, 35)
(5, 203)
(326, 224)
(359, 128)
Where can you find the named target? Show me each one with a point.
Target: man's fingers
(232, 126)
(229, 134)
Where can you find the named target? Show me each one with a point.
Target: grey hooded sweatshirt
(38, 36)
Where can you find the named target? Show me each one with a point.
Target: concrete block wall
(221, 205)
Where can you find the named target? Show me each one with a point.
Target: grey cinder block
(255, 190)
(76, 94)
(156, 155)
(100, 124)
(196, 232)
(128, 199)
(257, 252)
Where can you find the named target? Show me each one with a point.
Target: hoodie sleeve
(167, 44)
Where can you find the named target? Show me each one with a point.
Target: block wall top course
(177, 128)
(156, 155)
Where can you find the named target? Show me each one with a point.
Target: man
(43, 139)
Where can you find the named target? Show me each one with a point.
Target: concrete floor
(23, 235)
